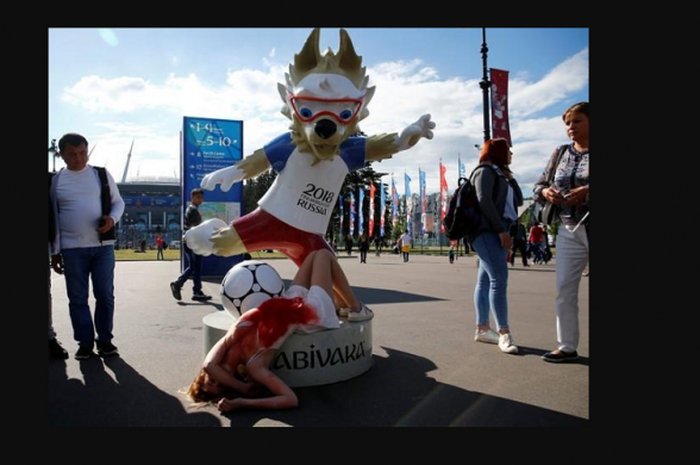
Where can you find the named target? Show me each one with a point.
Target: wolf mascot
(325, 96)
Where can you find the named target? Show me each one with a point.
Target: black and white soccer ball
(248, 284)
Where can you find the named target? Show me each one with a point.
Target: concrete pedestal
(314, 359)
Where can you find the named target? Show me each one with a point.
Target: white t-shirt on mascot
(303, 196)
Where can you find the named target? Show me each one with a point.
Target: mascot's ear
(368, 97)
(369, 94)
(349, 61)
(282, 89)
(309, 57)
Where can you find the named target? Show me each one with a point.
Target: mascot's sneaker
(343, 312)
(364, 314)
(489, 336)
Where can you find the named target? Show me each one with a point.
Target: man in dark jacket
(517, 232)
(193, 262)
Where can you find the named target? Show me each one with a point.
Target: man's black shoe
(201, 297)
(106, 349)
(84, 351)
(558, 356)
(175, 289)
(56, 350)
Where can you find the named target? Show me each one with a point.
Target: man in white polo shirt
(81, 251)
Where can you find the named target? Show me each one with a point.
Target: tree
(255, 188)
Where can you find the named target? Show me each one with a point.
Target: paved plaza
(427, 370)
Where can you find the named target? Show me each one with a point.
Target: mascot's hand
(226, 242)
(225, 176)
(198, 237)
(412, 133)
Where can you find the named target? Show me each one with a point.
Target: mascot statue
(325, 96)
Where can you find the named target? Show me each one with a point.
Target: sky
(116, 86)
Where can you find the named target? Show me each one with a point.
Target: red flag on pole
(499, 105)
(443, 195)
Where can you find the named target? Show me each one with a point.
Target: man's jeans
(193, 267)
(79, 264)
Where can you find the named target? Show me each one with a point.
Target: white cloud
(405, 91)
(566, 78)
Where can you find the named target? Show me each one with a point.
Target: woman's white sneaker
(364, 314)
(489, 336)
(505, 342)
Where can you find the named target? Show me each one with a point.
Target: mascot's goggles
(343, 110)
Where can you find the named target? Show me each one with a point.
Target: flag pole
(439, 233)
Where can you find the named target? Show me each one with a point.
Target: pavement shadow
(397, 391)
(208, 303)
(374, 295)
(127, 399)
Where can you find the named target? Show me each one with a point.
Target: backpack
(463, 216)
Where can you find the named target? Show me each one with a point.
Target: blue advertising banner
(209, 145)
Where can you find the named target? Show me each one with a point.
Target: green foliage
(255, 188)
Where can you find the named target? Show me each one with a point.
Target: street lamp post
(53, 151)
(485, 84)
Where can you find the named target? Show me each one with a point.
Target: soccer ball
(248, 284)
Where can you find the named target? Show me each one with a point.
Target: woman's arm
(542, 189)
(258, 370)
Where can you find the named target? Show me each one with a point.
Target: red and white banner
(443, 196)
(499, 105)
(372, 190)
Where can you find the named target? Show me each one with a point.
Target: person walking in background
(79, 194)
(535, 242)
(517, 234)
(405, 241)
(546, 251)
(159, 245)
(569, 190)
(378, 244)
(499, 197)
(348, 245)
(363, 245)
(193, 262)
